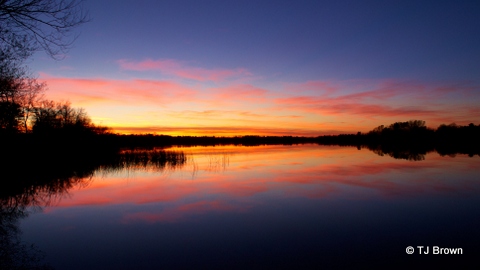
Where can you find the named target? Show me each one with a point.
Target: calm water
(264, 207)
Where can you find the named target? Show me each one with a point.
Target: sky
(300, 68)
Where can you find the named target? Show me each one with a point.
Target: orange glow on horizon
(236, 108)
(217, 131)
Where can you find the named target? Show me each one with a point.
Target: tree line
(26, 27)
(410, 132)
(413, 137)
(24, 108)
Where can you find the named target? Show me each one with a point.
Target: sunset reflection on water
(239, 189)
(227, 178)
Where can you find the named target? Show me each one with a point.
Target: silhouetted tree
(30, 25)
(29, 96)
(11, 74)
(9, 85)
(60, 117)
(18, 89)
(10, 115)
(377, 130)
(27, 26)
(45, 117)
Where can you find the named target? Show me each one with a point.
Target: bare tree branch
(27, 26)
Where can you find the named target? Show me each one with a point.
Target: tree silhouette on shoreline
(27, 26)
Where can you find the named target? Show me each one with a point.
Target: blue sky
(319, 50)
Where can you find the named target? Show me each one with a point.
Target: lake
(261, 207)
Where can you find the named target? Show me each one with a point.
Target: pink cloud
(392, 99)
(180, 69)
(377, 94)
(343, 105)
(380, 89)
(87, 91)
(306, 109)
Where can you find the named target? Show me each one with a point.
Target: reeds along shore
(42, 150)
(29, 160)
(411, 136)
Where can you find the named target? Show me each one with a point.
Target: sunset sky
(303, 68)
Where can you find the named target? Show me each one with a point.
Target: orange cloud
(135, 92)
(223, 131)
(388, 99)
(179, 69)
(306, 109)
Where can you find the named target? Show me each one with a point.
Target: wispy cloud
(346, 106)
(83, 91)
(379, 99)
(312, 108)
(182, 70)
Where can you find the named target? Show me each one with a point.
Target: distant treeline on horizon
(28, 122)
(412, 138)
(413, 132)
(63, 156)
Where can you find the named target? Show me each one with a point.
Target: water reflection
(29, 191)
(14, 253)
(289, 203)
(407, 154)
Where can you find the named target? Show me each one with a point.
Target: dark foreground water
(267, 207)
